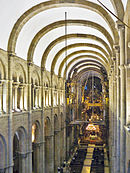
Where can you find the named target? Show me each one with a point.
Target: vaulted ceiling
(35, 31)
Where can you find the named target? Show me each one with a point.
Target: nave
(64, 84)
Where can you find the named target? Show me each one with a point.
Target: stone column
(56, 150)
(29, 120)
(61, 144)
(42, 124)
(1, 98)
(5, 96)
(49, 154)
(9, 112)
(37, 161)
(25, 96)
(40, 97)
(52, 120)
(110, 118)
(48, 97)
(121, 29)
(47, 101)
(36, 97)
(21, 97)
(15, 95)
(22, 160)
(114, 118)
(57, 97)
(117, 51)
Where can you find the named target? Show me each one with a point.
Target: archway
(36, 147)
(19, 151)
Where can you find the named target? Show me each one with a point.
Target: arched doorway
(20, 151)
(3, 154)
(57, 141)
(49, 142)
(36, 147)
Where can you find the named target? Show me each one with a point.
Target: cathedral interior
(65, 86)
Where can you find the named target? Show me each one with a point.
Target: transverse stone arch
(118, 6)
(86, 56)
(74, 46)
(88, 65)
(70, 36)
(78, 52)
(78, 76)
(57, 24)
(3, 152)
(84, 61)
(54, 4)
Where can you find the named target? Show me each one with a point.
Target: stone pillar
(49, 154)
(25, 96)
(22, 161)
(42, 124)
(49, 98)
(15, 95)
(21, 97)
(1, 98)
(61, 144)
(5, 96)
(114, 121)
(56, 150)
(9, 112)
(52, 120)
(40, 97)
(33, 93)
(37, 161)
(110, 118)
(121, 29)
(29, 120)
(117, 50)
(36, 97)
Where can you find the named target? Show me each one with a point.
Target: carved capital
(11, 54)
(120, 25)
(43, 69)
(29, 62)
(116, 48)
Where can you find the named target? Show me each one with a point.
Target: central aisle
(88, 160)
(96, 160)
